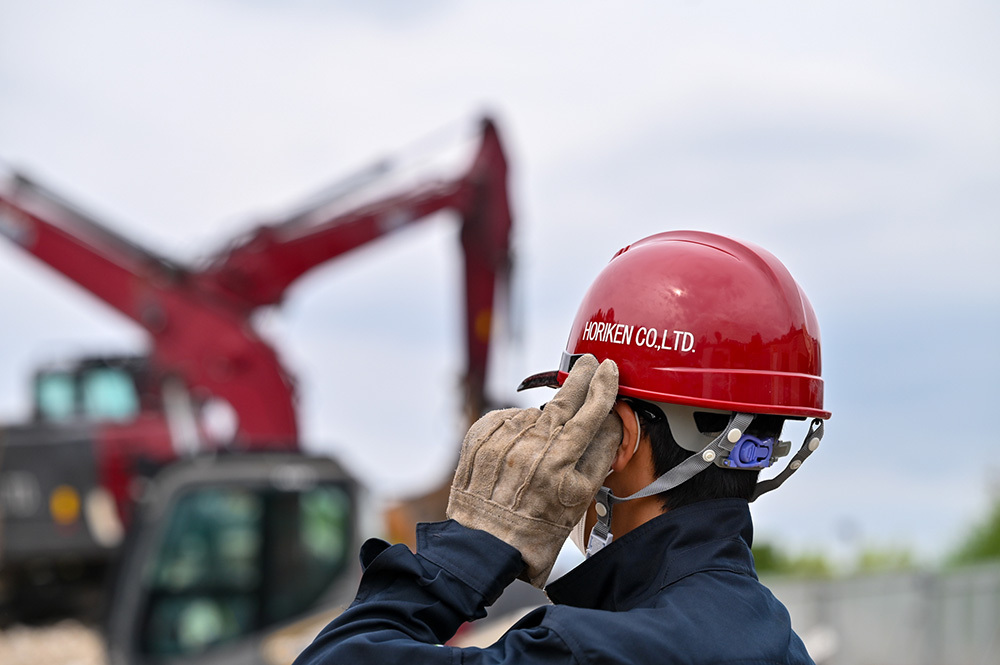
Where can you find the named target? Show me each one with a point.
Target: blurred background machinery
(175, 480)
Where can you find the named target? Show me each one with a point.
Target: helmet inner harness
(732, 448)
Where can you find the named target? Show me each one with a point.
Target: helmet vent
(711, 423)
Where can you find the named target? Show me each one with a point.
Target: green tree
(884, 560)
(769, 559)
(982, 543)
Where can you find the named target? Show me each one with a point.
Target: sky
(858, 141)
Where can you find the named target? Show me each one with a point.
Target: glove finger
(477, 435)
(568, 400)
(580, 484)
(596, 460)
(601, 395)
(500, 453)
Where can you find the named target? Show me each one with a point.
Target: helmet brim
(548, 379)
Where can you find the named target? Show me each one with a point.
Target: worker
(687, 355)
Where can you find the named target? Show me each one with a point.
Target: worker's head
(716, 345)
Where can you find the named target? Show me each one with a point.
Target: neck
(634, 475)
(628, 515)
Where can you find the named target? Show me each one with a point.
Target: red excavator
(104, 428)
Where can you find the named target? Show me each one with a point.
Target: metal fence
(950, 618)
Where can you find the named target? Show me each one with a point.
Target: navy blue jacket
(679, 589)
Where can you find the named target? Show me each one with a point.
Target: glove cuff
(537, 540)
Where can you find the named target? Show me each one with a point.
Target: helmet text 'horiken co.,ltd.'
(621, 333)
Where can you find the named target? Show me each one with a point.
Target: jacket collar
(708, 535)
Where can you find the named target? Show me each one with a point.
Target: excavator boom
(199, 318)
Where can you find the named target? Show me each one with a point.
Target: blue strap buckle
(751, 452)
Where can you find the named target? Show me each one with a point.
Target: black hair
(714, 482)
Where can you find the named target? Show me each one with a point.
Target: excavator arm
(261, 267)
(199, 318)
(81, 248)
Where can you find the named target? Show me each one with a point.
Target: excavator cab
(70, 479)
(228, 554)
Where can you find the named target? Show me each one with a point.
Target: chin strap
(720, 446)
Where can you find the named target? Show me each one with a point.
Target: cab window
(233, 561)
(109, 394)
(55, 396)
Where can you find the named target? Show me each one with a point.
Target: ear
(630, 430)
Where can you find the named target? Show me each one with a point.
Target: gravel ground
(65, 643)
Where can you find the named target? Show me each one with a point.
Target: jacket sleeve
(408, 605)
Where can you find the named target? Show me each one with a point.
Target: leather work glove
(528, 475)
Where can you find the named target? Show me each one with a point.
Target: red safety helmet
(704, 320)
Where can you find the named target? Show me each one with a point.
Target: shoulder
(736, 620)
(659, 634)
